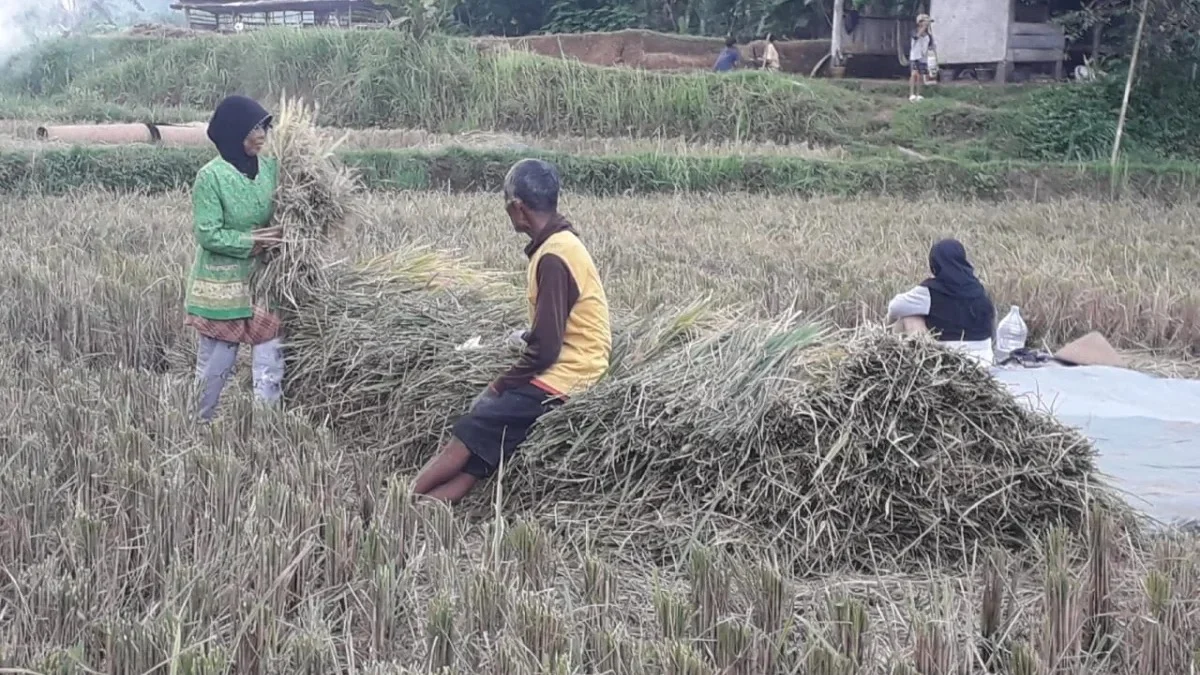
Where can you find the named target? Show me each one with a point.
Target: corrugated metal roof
(226, 6)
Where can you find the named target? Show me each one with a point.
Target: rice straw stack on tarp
(850, 450)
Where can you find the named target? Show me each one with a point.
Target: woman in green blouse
(232, 202)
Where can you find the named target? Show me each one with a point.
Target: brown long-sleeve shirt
(557, 294)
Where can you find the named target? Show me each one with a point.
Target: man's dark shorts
(921, 67)
(498, 425)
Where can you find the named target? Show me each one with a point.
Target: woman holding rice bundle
(952, 303)
(232, 203)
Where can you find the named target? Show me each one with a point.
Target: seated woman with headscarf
(953, 304)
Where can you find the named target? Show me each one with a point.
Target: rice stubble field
(1073, 266)
(137, 541)
(764, 482)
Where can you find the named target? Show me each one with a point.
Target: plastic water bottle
(1010, 334)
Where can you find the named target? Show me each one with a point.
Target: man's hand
(516, 341)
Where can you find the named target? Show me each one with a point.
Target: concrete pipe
(99, 133)
(179, 135)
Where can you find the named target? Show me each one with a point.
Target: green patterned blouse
(226, 207)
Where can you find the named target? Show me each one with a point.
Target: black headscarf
(231, 123)
(959, 306)
(953, 274)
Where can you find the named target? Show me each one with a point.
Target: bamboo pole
(1137, 48)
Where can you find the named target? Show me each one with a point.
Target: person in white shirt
(771, 55)
(920, 44)
(953, 304)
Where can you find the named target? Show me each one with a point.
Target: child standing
(921, 44)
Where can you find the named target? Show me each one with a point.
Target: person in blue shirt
(728, 57)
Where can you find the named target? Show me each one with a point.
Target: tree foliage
(1173, 26)
(418, 17)
(30, 20)
(743, 18)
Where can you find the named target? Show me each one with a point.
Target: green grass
(381, 78)
(91, 108)
(149, 169)
(981, 94)
(938, 127)
(945, 127)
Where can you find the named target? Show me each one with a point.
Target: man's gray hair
(535, 182)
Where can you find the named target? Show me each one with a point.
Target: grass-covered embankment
(384, 79)
(147, 169)
(381, 78)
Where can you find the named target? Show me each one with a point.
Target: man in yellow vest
(566, 348)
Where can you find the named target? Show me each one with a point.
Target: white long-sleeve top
(771, 57)
(915, 302)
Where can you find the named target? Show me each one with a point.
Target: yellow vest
(587, 341)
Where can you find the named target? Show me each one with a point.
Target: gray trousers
(215, 361)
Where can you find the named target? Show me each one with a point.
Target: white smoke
(25, 22)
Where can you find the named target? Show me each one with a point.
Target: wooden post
(1137, 47)
(835, 44)
(1002, 68)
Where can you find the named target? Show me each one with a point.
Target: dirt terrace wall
(795, 56)
(657, 51)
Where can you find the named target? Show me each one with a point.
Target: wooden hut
(996, 34)
(236, 15)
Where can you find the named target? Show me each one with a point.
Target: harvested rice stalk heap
(378, 354)
(379, 357)
(871, 451)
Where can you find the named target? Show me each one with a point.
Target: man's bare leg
(442, 468)
(454, 489)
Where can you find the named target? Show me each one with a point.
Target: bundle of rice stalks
(314, 201)
(390, 351)
(373, 348)
(852, 450)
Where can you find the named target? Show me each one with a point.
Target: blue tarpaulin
(1146, 429)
